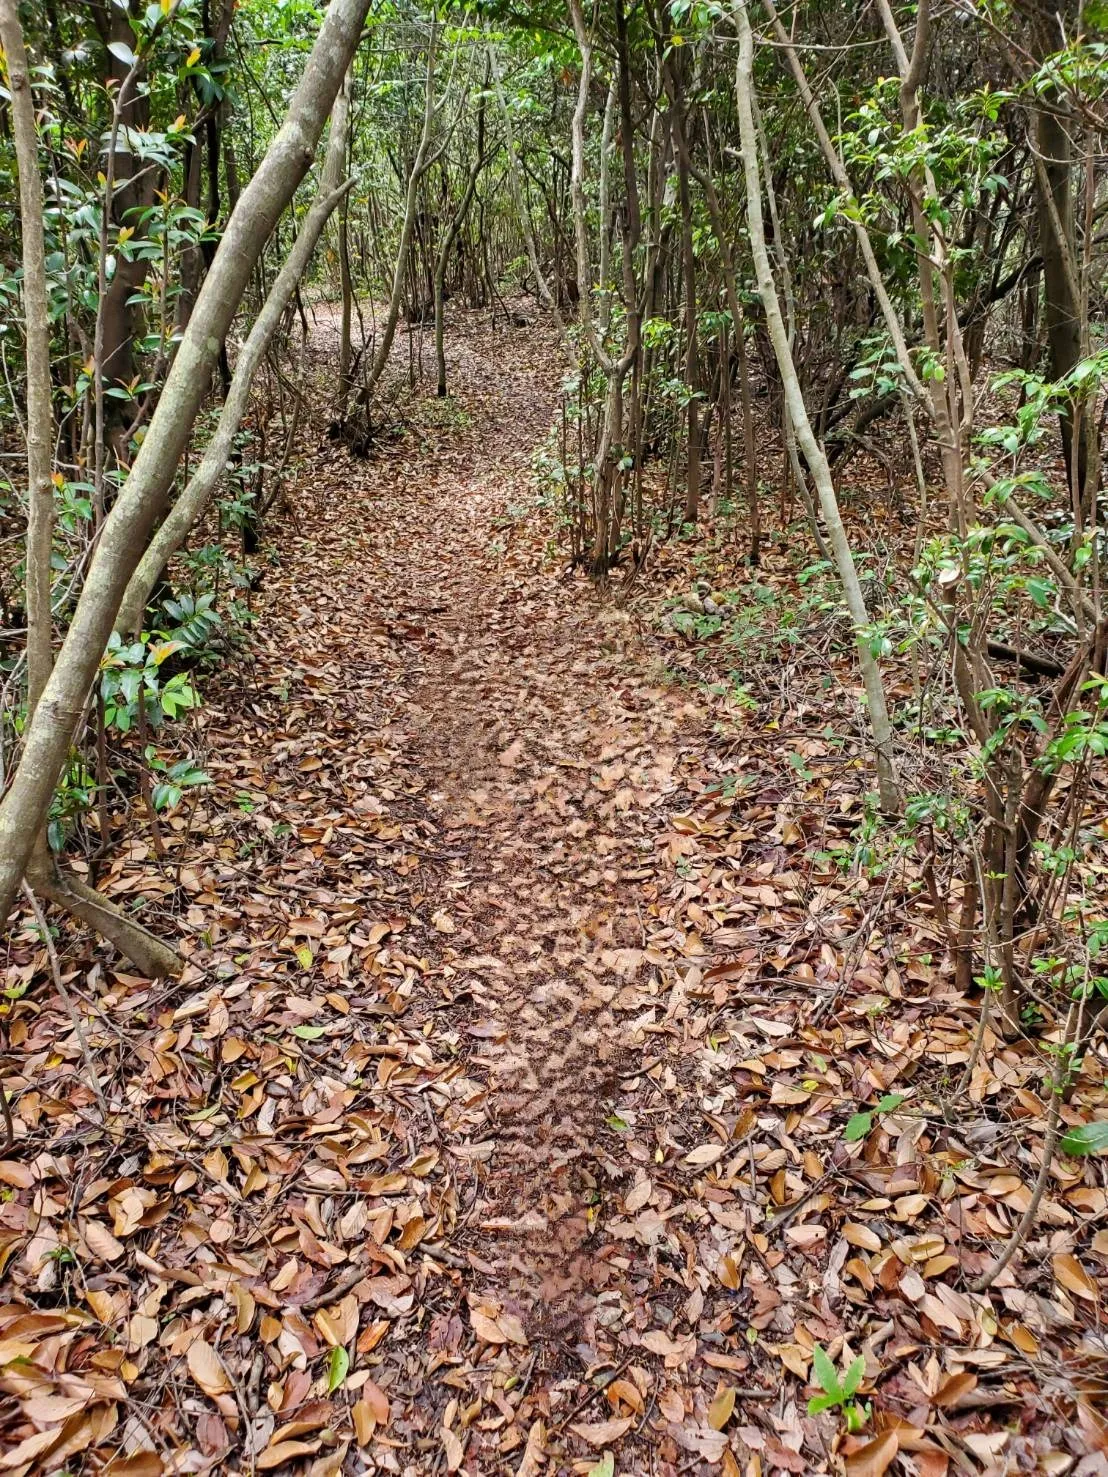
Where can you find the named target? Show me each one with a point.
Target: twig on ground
(588, 1398)
(1020, 1234)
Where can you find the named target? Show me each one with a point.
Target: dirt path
(550, 761)
(539, 765)
(547, 761)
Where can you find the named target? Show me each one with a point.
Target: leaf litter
(537, 1099)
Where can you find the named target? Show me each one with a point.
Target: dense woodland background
(817, 297)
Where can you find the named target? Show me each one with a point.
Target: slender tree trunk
(1062, 313)
(607, 496)
(457, 220)
(51, 731)
(420, 165)
(345, 347)
(813, 452)
(192, 258)
(40, 416)
(750, 465)
(189, 506)
(688, 276)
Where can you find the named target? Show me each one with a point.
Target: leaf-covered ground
(507, 1119)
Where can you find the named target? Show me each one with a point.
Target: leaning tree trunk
(123, 536)
(794, 398)
(189, 506)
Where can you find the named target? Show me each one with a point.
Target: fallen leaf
(603, 1433)
(875, 1458)
(1073, 1277)
(206, 1369)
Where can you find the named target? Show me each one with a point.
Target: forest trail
(549, 759)
(500, 1123)
(496, 722)
(546, 760)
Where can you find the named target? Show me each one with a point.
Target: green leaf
(853, 1377)
(1090, 1138)
(304, 955)
(889, 1102)
(337, 1369)
(309, 1033)
(827, 1376)
(857, 1127)
(856, 1417)
(821, 1402)
(122, 52)
(605, 1467)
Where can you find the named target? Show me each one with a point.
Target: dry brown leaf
(139, 1464)
(46, 1409)
(638, 1196)
(939, 1313)
(1073, 1277)
(623, 1390)
(721, 1408)
(673, 1351)
(286, 1451)
(377, 1401)
(487, 1329)
(952, 1390)
(101, 1242)
(875, 1458)
(513, 1328)
(364, 1420)
(141, 1330)
(705, 1155)
(534, 1453)
(862, 1236)
(453, 1449)
(603, 1433)
(206, 1369)
(25, 1452)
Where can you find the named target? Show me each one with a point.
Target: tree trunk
(813, 452)
(1062, 314)
(51, 731)
(443, 258)
(420, 165)
(189, 506)
(346, 354)
(688, 274)
(40, 415)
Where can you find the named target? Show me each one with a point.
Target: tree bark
(813, 452)
(40, 415)
(123, 535)
(189, 506)
(420, 165)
